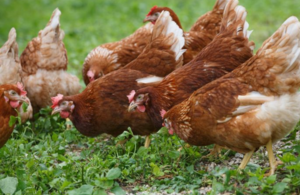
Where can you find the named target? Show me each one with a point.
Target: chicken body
(227, 51)
(11, 98)
(10, 68)
(201, 33)
(102, 106)
(255, 105)
(112, 56)
(44, 63)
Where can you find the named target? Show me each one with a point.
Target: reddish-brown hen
(228, 50)
(255, 105)
(44, 63)
(102, 106)
(201, 33)
(11, 98)
(10, 68)
(112, 56)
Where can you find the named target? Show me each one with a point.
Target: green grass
(44, 158)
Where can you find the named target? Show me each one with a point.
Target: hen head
(14, 95)
(138, 100)
(61, 106)
(99, 62)
(167, 122)
(153, 15)
(155, 11)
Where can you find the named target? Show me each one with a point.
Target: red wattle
(14, 104)
(64, 114)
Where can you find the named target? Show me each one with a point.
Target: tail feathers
(166, 27)
(54, 20)
(52, 29)
(10, 47)
(284, 43)
(220, 4)
(235, 16)
(281, 54)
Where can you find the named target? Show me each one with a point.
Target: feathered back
(47, 51)
(10, 67)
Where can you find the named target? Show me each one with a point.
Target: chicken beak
(132, 106)
(57, 109)
(23, 99)
(149, 18)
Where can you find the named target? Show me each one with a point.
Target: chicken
(10, 69)
(44, 64)
(255, 105)
(102, 106)
(11, 98)
(201, 33)
(112, 56)
(228, 50)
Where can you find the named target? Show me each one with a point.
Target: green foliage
(42, 157)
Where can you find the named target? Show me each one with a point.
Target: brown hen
(227, 51)
(102, 106)
(10, 68)
(44, 63)
(112, 56)
(201, 33)
(11, 98)
(255, 105)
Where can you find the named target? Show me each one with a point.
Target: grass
(45, 158)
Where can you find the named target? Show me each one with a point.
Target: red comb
(56, 99)
(131, 96)
(21, 87)
(162, 113)
(151, 11)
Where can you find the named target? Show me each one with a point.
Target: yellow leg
(69, 126)
(216, 151)
(147, 141)
(272, 160)
(246, 159)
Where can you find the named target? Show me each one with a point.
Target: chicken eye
(156, 14)
(139, 97)
(12, 93)
(64, 103)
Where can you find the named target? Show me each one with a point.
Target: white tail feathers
(54, 21)
(150, 79)
(220, 4)
(10, 46)
(52, 31)
(285, 41)
(235, 14)
(166, 26)
(12, 35)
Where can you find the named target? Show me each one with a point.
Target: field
(42, 157)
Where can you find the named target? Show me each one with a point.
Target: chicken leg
(68, 125)
(147, 141)
(245, 160)
(272, 160)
